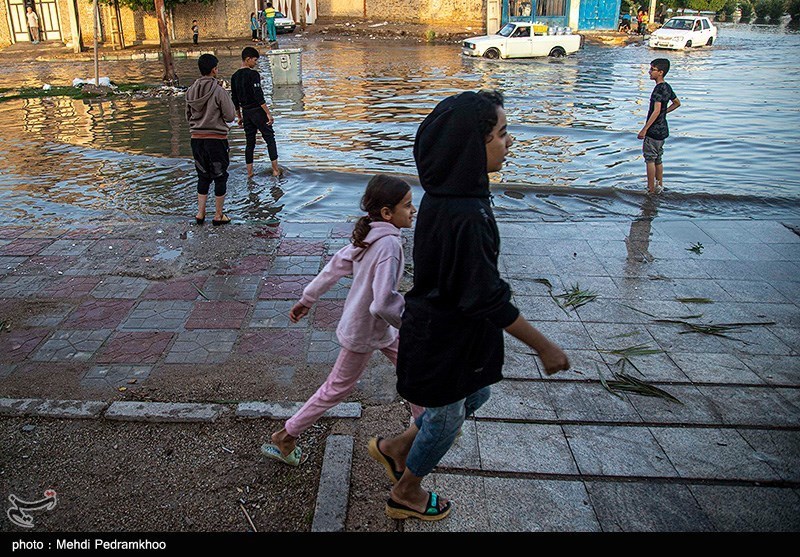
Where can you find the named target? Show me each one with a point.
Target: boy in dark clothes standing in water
(655, 130)
(251, 110)
(195, 31)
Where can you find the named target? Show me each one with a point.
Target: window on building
(551, 7)
(519, 8)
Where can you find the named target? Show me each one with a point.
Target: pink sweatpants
(342, 380)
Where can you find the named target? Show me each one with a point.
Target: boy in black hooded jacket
(451, 338)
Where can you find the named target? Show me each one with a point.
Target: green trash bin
(285, 66)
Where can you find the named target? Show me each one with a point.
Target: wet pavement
(180, 313)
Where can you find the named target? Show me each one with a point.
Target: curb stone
(51, 408)
(330, 511)
(164, 411)
(285, 410)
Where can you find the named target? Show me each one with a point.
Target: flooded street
(732, 151)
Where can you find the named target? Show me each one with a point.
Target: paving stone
(712, 454)
(335, 244)
(669, 338)
(520, 363)
(69, 409)
(24, 246)
(790, 336)
(651, 367)
(524, 448)
(468, 496)
(715, 368)
(174, 289)
(728, 232)
(617, 336)
(158, 315)
(257, 265)
(77, 346)
(682, 231)
(519, 400)
(323, 348)
(95, 266)
(779, 449)
(87, 233)
(98, 314)
(744, 406)
(752, 291)
(543, 308)
(566, 335)
(700, 288)
(20, 286)
(306, 231)
(287, 344)
(239, 287)
(790, 289)
(327, 313)
(526, 267)
(342, 230)
(48, 266)
(275, 314)
(6, 370)
(339, 291)
(539, 506)
(618, 451)
(120, 287)
(611, 311)
(616, 249)
(135, 348)
(775, 370)
(755, 340)
(286, 287)
(296, 265)
(115, 376)
(695, 407)
(163, 411)
(647, 507)
(521, 246)
(67, 247)
(11, 232)
(770, 232)
(776, 270)
(218, 315)
(9, 264)
(464, 453)
(590, 402)
(677, 268)
(749, 509)
(114, 247)
(69, 287)
(285, 410)
(292, 247)
(17, 344)
(202, 347)
(330, 511)
(645, 290)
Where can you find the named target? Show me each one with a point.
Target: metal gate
(47, 10)
(599, 14)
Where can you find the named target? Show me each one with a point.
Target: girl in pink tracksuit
(372, 309)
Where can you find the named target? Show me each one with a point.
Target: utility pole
(170, 77)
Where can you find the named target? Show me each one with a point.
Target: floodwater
(732, 152)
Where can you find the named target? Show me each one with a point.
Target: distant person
(262, 25)
(645, 21)
(252, 112)
(625, 23)
(451, 338)
(269, 13)
(195, 31)
(33, 25)
(209, 109)
(372, 310)
(656, 130)
(662, 14)
(254, 26)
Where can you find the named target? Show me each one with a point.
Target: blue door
(599, 14)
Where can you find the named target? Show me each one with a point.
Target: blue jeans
(438, 428)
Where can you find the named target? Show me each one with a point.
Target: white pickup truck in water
(523, 40)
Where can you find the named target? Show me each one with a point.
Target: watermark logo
(18, 513)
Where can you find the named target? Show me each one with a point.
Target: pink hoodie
(373, 306)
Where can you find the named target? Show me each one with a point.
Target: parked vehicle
(682, 32)
(284, 24)
(524, 40)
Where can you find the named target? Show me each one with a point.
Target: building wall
(443, 12)
(5, 26)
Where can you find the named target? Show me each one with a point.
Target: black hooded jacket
(451, 338)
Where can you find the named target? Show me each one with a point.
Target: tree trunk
(170, 77)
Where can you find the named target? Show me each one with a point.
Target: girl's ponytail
(382, 191)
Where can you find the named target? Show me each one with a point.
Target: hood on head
(201, 90)
(450, 150)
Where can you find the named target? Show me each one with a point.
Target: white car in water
(523, 40)
(682, 32)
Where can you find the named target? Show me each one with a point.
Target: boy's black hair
(206, 63)
(661, 64)
(249, 52)
(487, 117)
(269, 4)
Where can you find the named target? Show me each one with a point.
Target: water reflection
(637, 242)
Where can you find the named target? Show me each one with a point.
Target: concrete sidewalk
(134, 306)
